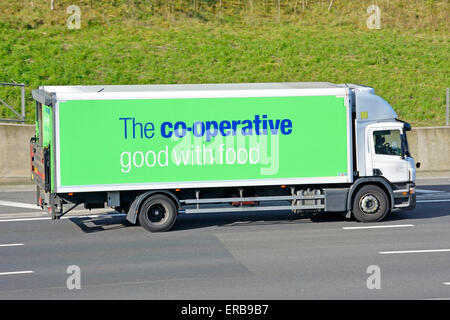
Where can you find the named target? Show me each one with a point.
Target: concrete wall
(15, 151)
(429, 146)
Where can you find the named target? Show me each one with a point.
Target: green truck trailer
(155, 151)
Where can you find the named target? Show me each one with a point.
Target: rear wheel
(158, 213)
(370, 204)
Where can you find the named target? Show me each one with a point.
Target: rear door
(40, 147)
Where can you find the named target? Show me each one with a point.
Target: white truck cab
(388, 153)
(383, 146)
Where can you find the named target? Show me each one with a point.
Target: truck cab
(389, 155)
(382, 146)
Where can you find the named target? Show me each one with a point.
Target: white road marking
(428, 191)
(415, 251)
(379, 227)
(25, 219)
(19, 205)
(11, 245)
(447, 283)
(66, 217)
(441, 200)
(14, 272)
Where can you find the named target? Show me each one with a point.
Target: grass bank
(145, 42)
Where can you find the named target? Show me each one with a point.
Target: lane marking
(446, 283)
(428, 191)
(11, 245)
(415, 251)
(441, 200)
(66, 217)
(379, 227)
(19, 205)
(15, 272)
(24, 219)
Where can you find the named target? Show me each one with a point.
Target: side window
(388, 142)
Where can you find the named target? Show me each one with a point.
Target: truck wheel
(370, 204)
(158, 213)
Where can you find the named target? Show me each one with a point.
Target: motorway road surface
(250, 255)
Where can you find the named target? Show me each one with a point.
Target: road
(249, 255)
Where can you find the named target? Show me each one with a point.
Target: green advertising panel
(117, 142)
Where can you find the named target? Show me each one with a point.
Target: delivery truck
(156, 151)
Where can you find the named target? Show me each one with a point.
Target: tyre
(158, 213)
(370, 204)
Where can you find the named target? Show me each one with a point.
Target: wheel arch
(377, 181)
(133, 211)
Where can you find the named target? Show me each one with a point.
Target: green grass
(408, 65)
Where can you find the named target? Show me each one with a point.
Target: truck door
(387, 148)
(40, 148)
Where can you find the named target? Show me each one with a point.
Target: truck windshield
(389, 142)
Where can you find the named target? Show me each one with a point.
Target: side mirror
(406, 126)
(417, 165)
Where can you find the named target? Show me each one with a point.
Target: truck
(156, 151)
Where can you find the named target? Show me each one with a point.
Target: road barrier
(15, 151)
(429, 145)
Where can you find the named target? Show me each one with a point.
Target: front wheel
(370, 204)
(158, 213)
